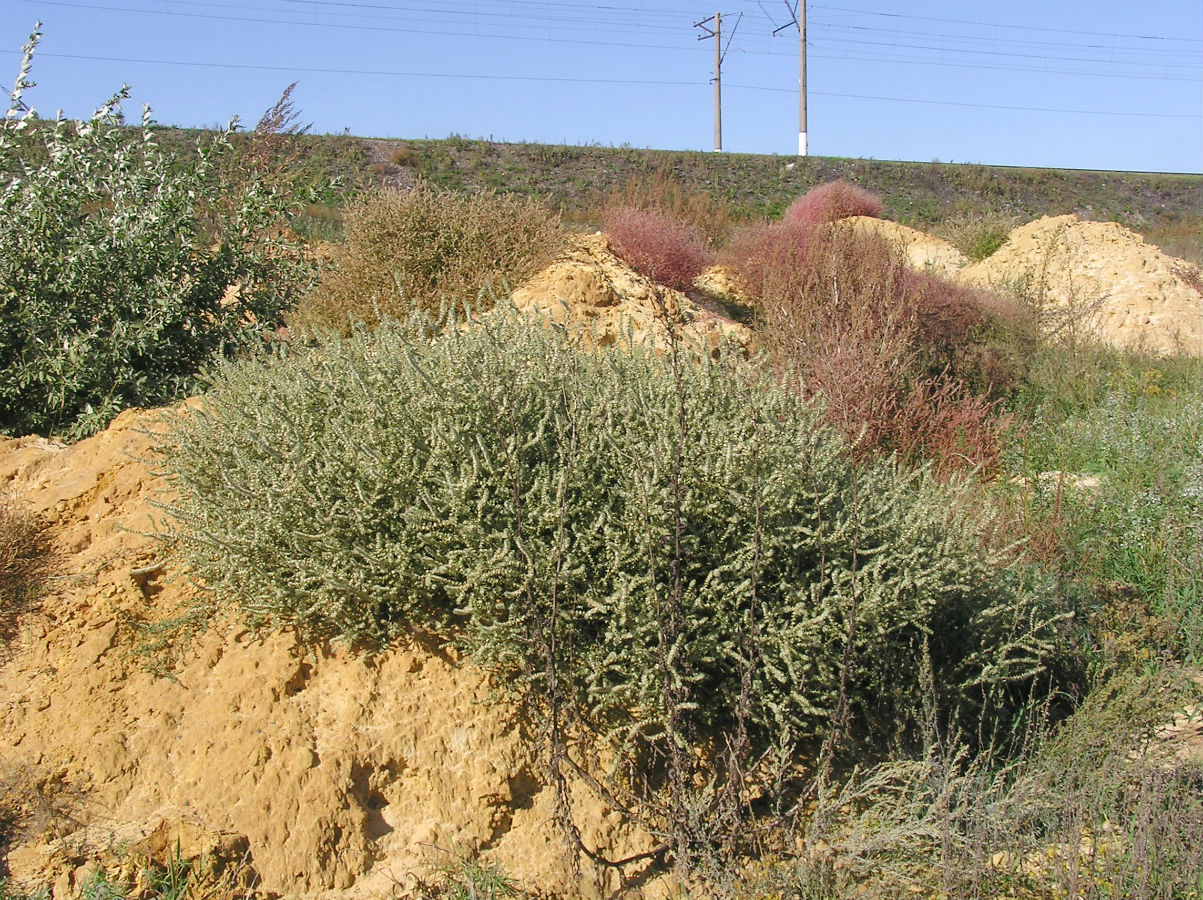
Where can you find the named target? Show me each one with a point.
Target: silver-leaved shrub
(670, 548)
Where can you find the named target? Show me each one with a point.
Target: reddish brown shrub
(896, 355)
(831, 202)
(655, 245)
(709, 216)
(953, 429)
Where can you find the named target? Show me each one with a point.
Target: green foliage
(1136, 426)
(674, 555)
(414, 249)
(975, 233)
(123, 270)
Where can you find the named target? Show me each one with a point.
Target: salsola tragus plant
(655, 555)
(123, 268)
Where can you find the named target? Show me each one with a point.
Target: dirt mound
(1099, 280)
(921, 251)
(336, 772)
(592, 288)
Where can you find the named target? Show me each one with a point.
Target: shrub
(831, 202)
(977, 234)
(904, 361)
(122, 269)
(700, 211)
(658, 550)
(425, 248)
(655, 245)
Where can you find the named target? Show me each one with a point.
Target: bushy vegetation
(704, 212)
(123, 268)
(1132, 427)
(425, 248)
(655, 245)
(831, 202)
(802, 664)
(906, 361)
(977, 234)
(658, 551)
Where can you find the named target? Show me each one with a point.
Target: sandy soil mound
(592, 288)
(1099, 280)
(327, 771)
(922, 251)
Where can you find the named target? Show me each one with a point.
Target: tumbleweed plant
(427, 248)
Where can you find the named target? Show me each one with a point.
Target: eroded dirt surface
(1099, 280)
(343, 774)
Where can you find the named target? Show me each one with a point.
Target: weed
(24, 562)
(975, 233)
(1136, 532)
(904, 361)
(662, 193)
(831, 202)
(403, 155)
(655, 245)
(425, 248)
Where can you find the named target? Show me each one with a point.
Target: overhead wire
(574, 80)
(554, 16)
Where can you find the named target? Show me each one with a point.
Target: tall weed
(655, 245)
(904, 361)
(426, 248)
(660, 192)
(831, 202)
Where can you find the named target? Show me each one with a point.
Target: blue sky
(1100, 84)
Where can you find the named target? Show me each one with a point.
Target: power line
(577, 41)
(1093, 112)
(381, 72)
(1110, 34)
(552, 78)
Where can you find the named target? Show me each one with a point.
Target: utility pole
(798, 18)
(801, 18)
(715, 33)
(719, 53)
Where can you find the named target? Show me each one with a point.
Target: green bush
(122, 269)
(674, 555)
(424, 248)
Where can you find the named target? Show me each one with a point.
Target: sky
(1089, 84)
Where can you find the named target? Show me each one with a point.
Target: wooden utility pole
(716, 33)
(798, 18)
(718, 82)
(719, 53)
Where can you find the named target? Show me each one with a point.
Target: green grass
(576, 178)
(1136, 425)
